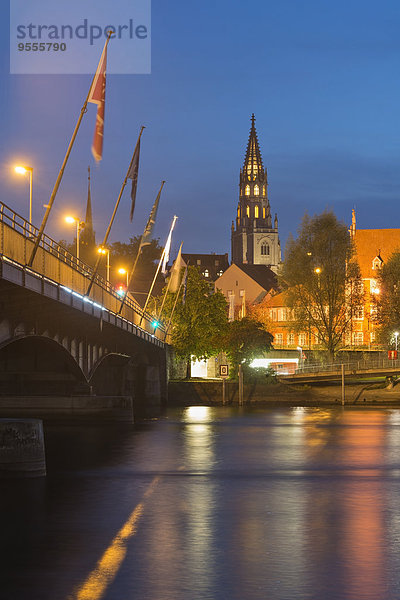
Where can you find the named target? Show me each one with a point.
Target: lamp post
(21, 171)
(300, 349)
(124, 272)
(106, 251)
(79, 226)
(396, 335)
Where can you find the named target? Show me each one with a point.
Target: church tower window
(263, 212)
(256, 212)
(264, 189)
(248, 210)
(264, 249)
(256, 190)
(247, 190)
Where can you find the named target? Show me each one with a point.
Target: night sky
(321, 77)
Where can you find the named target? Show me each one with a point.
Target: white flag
(168, 248)
(176, 272)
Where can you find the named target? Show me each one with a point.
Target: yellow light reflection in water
(196, 414)
(108, 566)
(199, 439)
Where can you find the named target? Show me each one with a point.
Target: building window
(248, 210)
(359, 313)
(220, 272)
(256, 190)
(278, 339)
(264, 249)
(372, 336)
(247, 190)
(256, 212)
(263, 190)
(238, 214)
(263, 212)
(302, 339)
(290, 339)
(198, 261)
(358, 338)
(206, 273)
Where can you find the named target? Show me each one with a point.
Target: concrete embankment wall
(117, 409)
(183, 393)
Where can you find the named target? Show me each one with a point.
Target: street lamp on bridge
(79, 226)
(22, 171)
(124, 272)
(106, 251)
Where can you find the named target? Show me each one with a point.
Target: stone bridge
(56, 342)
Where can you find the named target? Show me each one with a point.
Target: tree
(199, 320)
(123, 255)
(245, 340)
(388, 301)
(323, 281)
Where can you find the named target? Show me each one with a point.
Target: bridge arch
(36, 365)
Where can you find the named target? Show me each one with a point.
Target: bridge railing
(52, 260)
(350, 366)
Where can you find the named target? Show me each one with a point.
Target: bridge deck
(58, 274)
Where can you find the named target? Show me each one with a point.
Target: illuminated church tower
(254, 240)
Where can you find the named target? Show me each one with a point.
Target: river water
(211, 503)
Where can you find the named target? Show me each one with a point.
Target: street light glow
(70, 220)
(317, 270)
(20, 170)
(122, 271)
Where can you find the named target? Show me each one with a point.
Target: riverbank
(183, 393)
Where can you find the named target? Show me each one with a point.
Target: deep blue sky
(322, 78)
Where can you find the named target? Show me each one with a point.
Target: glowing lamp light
(121, 290)
(20, 170)
(155, 324)
(70, 220)
(317, 270)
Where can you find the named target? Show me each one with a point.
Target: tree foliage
(199, 319)
(388, 301)
(123, 255)
(323, 281)
(245, 340)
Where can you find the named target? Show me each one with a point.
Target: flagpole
(157, 271)
(96, 267)
(173, 309)
(64, 164)
(152, 286)
(137, 258)
(168, 286)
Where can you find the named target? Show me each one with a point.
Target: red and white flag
(97, 95)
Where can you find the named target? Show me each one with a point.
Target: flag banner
(148, 232)
(97, 95)
(133, 174)
(176, 272)
(167, 248)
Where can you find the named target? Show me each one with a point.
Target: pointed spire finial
(253, 119)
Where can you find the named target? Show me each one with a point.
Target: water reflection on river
(211, 503)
